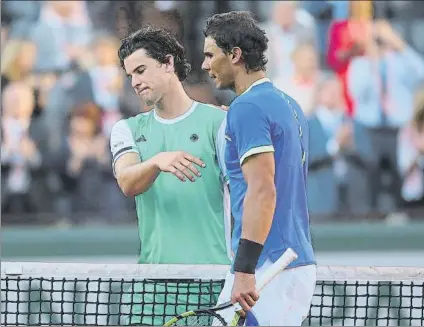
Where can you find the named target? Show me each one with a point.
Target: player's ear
(236, 55)
(169, 64)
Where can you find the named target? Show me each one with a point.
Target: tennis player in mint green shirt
(169, 160)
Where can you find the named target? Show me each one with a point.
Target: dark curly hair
(239, 29)
(158, 44)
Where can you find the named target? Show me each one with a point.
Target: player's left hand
(244, 290)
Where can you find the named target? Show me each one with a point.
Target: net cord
(196, 272)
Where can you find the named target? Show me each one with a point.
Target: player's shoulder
(138, 120)
(260, 97)
(140, 117)
(120, 125)
(294, 105)
(211, 109)
(210, 113)
(128, 124)
(290, 100)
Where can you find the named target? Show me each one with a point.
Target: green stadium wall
(116, 241)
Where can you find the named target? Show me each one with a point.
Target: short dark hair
(239, 29)
(158, 44)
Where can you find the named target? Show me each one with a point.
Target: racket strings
(201, 319)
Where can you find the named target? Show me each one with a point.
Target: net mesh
(116, 294)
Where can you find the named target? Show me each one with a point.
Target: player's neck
(243, 80)
(174, 103)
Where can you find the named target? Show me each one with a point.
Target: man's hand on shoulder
(179, 163)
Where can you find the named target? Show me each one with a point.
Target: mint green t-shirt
(178, 222)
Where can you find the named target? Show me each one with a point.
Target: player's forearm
(137, 179)
(258, 211)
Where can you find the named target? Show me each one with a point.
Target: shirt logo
(118, 144)
(194, 137)
(141, 139)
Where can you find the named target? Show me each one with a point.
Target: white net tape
(130, 271)
(68, 293)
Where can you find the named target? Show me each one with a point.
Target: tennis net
(122, 294)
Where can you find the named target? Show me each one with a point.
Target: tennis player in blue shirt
(267, 162)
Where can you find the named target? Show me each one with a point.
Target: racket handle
(288, 257)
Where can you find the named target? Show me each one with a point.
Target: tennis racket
(211, 316)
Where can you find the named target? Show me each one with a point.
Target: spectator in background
(382, 83)
(62, 34)
(102, 82)
(288, 27)
(104, 14)
(411, 156)
(339, 9)
(303, 83)
(340, 157)
(4, 36)
(83, 164)
(18, 58)
(17, 62)
(20, 16)
(346, 41)
(164, 14)
(20, 157)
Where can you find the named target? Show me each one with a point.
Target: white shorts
(285, 301)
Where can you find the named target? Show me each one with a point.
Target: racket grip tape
(287, 258)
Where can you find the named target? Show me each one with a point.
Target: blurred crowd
(356, 68)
